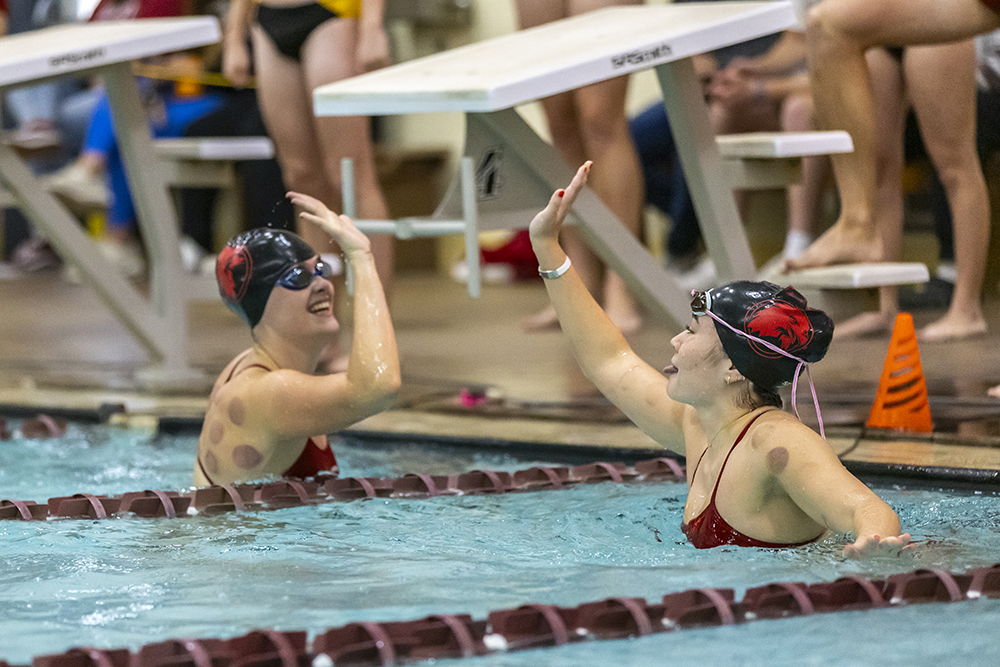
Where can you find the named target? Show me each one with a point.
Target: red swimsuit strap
(738, 439)
(731, 449)
(233, 372)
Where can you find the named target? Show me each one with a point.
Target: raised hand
(550, 219)
(339, 227)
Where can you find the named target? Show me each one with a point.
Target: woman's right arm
(235, 54)
(373, 374)
(601, 350)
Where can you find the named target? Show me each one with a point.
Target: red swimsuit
(312, 461)
(709, 529)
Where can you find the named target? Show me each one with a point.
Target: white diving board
(856, 276)
(159, 321)
(215, 148)
(771, 160)
(515, 171)
(764, 145)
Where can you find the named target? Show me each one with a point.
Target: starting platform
(107, 49)
(515, 171)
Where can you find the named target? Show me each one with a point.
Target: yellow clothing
(345, 9)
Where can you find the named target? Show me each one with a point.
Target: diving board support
(516, 173)
(467, 222)
(159, 323)
(106, 49)
(720, 222)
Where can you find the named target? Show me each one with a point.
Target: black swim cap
(767, 312)
(251, 263)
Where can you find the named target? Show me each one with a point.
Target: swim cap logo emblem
(779, 322)
(233, 271)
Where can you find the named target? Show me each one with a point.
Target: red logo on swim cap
(780, 323)
(233, 270)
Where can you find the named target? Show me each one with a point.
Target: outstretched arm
(601, 350)
(818, 483)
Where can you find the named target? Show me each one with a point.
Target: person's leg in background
(942, 88)
(839, 33)
(804, 198)
(328, 55)
(665, 185)
(891, 104)
(262, 188)
(590, 124)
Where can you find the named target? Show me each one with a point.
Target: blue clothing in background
(179, 112)
(666, 186)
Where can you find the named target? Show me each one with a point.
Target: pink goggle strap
(798, 369)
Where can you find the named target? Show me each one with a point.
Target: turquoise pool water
(133, 581)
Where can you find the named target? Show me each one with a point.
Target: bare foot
(994, 391)
(839, 245)
(865, 324)
(952, 327)
(544, 320)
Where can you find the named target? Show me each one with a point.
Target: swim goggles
(300, 277)
(701, 304)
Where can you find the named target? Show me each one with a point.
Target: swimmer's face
(698, 367)
(304, 310)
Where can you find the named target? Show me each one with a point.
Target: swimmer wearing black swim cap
(757, 476)
(271, 408)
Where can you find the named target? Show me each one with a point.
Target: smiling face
(306, 311)
(699, 366)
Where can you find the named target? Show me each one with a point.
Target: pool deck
(62, 348)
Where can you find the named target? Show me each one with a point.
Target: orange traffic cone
(901, 402)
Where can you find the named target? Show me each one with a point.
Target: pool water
(127, 582)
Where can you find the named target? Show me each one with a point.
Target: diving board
(106, 49)
(762, 145)
(771, 160)
(856, 276)
(516, 171)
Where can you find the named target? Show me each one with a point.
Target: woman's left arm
(814, 478)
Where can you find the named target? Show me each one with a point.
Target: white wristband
(555, 273)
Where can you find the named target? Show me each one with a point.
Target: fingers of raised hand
(577, 184)
(305, 201)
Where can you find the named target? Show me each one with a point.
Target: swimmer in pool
(757, 476)
(269, 411)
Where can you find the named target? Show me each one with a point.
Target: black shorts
(288, 28)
